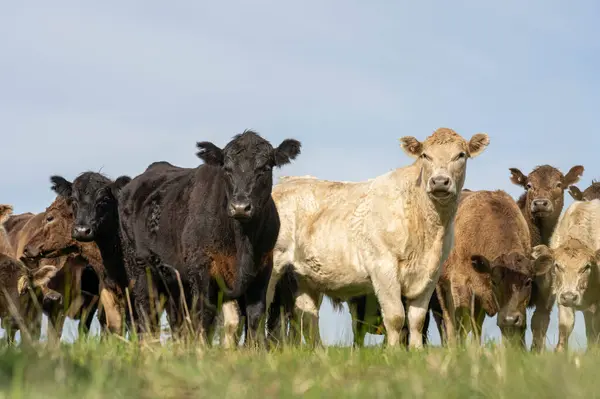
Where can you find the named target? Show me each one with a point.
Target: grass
(113, 368)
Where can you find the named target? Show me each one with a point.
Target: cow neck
(111, 251)
(540, 229)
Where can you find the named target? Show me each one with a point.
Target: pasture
(117, 369)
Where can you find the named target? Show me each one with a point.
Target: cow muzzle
(31, 251)
(440, 187)
(83, 233)
(241, 210)
(541, 207)
(515, 319)
(569, 298)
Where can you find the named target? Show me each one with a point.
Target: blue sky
(117, 85)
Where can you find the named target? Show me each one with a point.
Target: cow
(575, 248)
(93, 199)
(213, 227)
(489, 270)
(86, 278)
(18, 285)
(542, 204)
(590, 193)
(386, 236)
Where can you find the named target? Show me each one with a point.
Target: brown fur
(589, 194)
(53, 239)
(492, 244)
(223, 266)
(5, 247)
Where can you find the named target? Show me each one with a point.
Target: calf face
(575, 265)
(590, 193)
(443, 160)
(16, 281)
(93, 198)
(53, 238)
(511, 278)
(545, 187)
(247, 163)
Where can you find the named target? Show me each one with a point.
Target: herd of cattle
(220, 237)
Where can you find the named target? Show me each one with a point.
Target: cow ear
(576, 193)
(210, 153)
(572, 176)
(481, 264)
(118, 184)
(42, 275)
(517, 177)
(542, 255)
(478, 144)
(411, 146)
(61, 186)
(288, 150)
(5, 212)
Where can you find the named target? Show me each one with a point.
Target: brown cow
(489, 269)
(53, 239)
(542, 204)
(589, 194)
(16, 280)
(20, 229)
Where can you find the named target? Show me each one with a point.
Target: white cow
(388, 235)
(575, 247)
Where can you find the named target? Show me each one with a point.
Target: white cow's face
(575, 266)
(443, 160)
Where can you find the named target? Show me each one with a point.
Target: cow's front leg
(566, 322)
(231, 324)
(256, 306)
(417, 311)
(387, 288)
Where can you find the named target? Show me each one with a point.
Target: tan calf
(575, 247)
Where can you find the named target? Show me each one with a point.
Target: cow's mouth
(441, 194)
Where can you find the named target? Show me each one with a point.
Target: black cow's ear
(288, 150)
(61, 186)
(118, 184)
(210, 153)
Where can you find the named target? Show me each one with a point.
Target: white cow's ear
(478, 144)
(576, 193)
(411, 146)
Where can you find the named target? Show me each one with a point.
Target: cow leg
(231, 324)
(88, 312)
(448, 330)
(539, 327)
(388, 293)
(358, 310)
(566, 322)
(477, 317)
(592, 328)
(417, 312)
(307, 309)
(111, 310)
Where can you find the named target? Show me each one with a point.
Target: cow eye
(585, 268)
(528, 283)
(49, 218)
(425, 156)
(462, 155)
(558, 267)
(559, 185)
(529, 186)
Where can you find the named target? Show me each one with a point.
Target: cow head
(511, 277)
(575, 265)
(53, 238)
(590, 193)
(545, 187)
(93, 198)
(16, 280)
(247, 164)
(443, 160)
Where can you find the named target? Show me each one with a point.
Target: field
(113, 368)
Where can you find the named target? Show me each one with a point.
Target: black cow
(93, 198)
(215, 225)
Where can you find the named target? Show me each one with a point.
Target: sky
(113, 86)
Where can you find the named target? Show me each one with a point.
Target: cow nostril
(248, 208)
